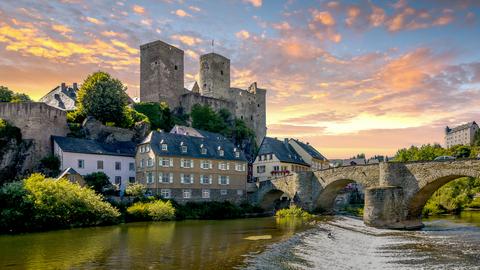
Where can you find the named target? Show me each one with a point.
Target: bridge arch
(271, 199)
(326, 198)
(428, 186)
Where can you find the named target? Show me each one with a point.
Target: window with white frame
(187, 193)
(118, 180)
(276, 168)
(81, 164)
(223, 180)
(260, 169)
(223, 166)
(206, 164)
(186, 163)
(186, 178)
(204, 151)
(223, 192)
(205, 179)
(142, 163)
(149, 177)
(205, 193)
(166, 193)
(147, 148)
(164, 177)
(184, 148)
(239, 192)
(239, 167)
(150, 162)
(221, 152)
(164, 147)
(165, 162)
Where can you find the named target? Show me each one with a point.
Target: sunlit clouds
(348, 76)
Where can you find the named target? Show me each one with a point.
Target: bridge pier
(385, 208)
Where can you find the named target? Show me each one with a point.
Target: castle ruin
(162, 79)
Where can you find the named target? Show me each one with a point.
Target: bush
(136, 190)
(8, 131)
(130, 117)
(98, 181)
(77, 116)
(156, 210)
(158, 113)
(293, 211)
(7, 95)
(209, 210)
(39, 203)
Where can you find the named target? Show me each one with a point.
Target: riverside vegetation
(455, 196)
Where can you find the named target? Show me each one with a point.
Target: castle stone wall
(38, 122)
(215, 76)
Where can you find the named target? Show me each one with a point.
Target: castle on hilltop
(162, 79)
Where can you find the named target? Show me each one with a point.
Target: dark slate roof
(310, 150)
(211, 141)
(62, 98)
(282, 150)
(75, 145)
(462, 127)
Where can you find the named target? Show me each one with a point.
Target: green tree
(97, 181)
(158, 114)
(204, 117)
(103, 97)
(136, 190)
(476, 138)
(5, 94)
(462, 151)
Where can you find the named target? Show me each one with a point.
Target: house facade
(277, 158)
(461, 135)
(309, 154)
(191, 168)
(116, 160)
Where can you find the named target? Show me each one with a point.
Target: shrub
(293, 211)
(130, 117)
(98, 181)
(77, 116)
(158, 113)
(156, 210)
(136, 190)
(8, 131)
(44, 203)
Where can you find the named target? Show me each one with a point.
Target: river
(258, 243)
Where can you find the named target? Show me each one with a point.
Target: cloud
(182, 13)
(194, 8)
(323, 17)
(94, 20)
(187, 40)
(255, 3)
(243, 34)
(61, 28)
(138, 9)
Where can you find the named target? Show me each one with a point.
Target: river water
(261, 243)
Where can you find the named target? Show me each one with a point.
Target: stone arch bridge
(395, 192)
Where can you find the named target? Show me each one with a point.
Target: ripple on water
(346, 243)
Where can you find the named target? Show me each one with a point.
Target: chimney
(285, 140)
(75, 86)
(63, 86)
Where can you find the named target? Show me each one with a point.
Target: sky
(349, 77)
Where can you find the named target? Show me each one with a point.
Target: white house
(116, 160)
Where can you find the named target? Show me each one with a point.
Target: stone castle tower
(162, 79)
(161, 73)
(214, 75)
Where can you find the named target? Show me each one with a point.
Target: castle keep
(162, 79)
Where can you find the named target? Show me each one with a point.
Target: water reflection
(160, 245)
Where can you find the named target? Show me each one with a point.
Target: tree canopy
(103, 97)
(7, 95)
(158, 114)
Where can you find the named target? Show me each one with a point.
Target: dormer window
(183, 147)
(221, 152)
(164, 147)
(237, 154)
(204, 151)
